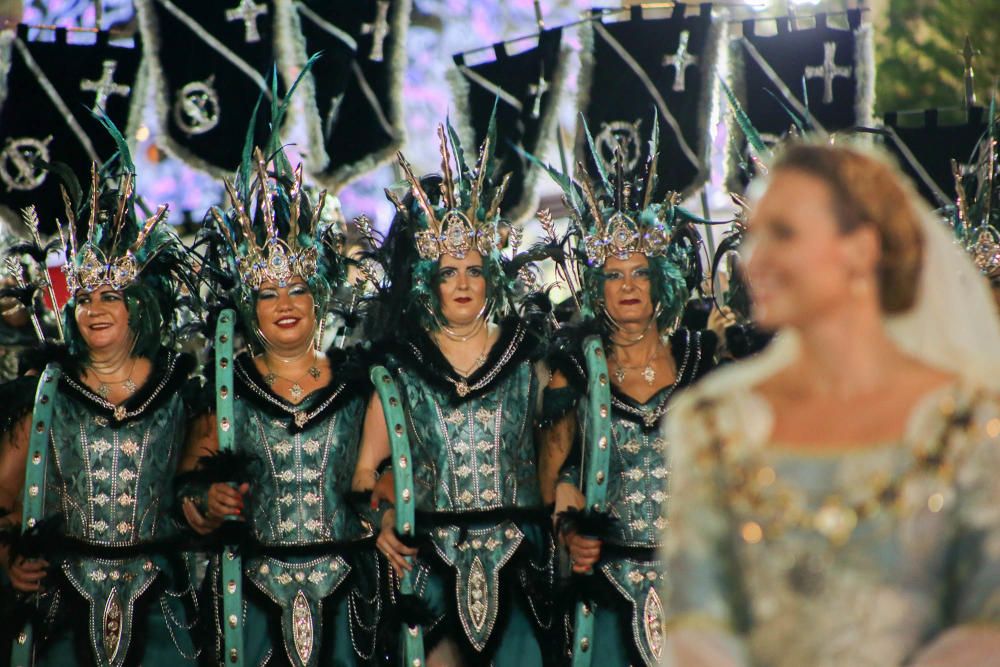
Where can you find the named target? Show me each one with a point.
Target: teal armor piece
(596, 434)
(411, 634)
(307, 538)
(636, 490)
(106, 471)
(232, 561)
(33, 505)
(476, 482)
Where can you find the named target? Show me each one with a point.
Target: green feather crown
(106, 243)
(464, 221)
(622, 217)
(272, 232)
(976, 218)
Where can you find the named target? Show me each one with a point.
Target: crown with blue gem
(463, 223)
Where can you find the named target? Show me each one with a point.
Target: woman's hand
(390, 545)
(584, 552)
(26, 575)
(199, 523)
(224, 500)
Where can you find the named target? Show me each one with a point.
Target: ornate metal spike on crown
(89, 266)
(463, 226)
(275, 259)
(626, 228)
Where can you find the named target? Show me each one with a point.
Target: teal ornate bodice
(637, 484)
(638, 476)
(111, 470)
(301, 463)
(474, 452)
(110, 474)
(475, 478)
(301, 468)
(638, 470)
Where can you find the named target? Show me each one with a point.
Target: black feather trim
(17, 399)
(598, 525)
(37, 252)
(409, 609)
(348, 380)
(170, 373)
(42, 539)
(565, 351)
(420, 353)
(227, 467)
(744, 340)
(24, 295)
(37, 358)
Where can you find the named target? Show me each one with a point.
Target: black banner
(635, 66)
(211, 61)
(933, 145)
(51, 90)
(525, 88)
(357, 118)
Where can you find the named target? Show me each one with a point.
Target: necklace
(462, 385)
(648, 372)
(462, 338)
(296, 389)
(104, 387)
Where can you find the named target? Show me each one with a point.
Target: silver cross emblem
(247, 11)
(379, 30)
(18, 162)
(537, 90)
(680, 61)
(196, 110)
(828, 71)
(104, 87)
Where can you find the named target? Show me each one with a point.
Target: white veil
(954, 324)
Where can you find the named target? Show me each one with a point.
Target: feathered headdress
(976, 216)
(621, 217)
(461, 221)
(272, 231)
(453, 213)
(106, 242)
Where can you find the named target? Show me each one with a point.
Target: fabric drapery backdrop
(354, 106)
(525, 88)
(822, 76)
(632, 67)
(48, 96)
(934, 144)
(210, 62)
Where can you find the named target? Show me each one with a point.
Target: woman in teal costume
(464, 361)
(110, 582)
(637, 260)
(298, 417)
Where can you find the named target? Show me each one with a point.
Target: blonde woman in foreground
(835, 501)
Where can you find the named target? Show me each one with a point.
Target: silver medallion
(19, 162)
(197, 110)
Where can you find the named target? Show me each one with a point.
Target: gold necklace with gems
(756, 488)
(462, 384)
(296, 389)
(104, 388)
(648, 372)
